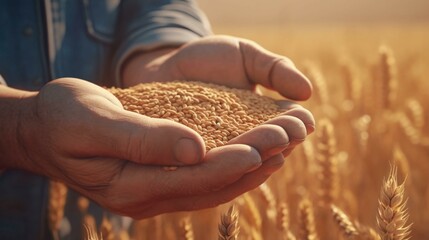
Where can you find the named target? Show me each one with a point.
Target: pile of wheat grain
(217, 113)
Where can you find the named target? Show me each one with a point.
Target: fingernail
(255, 162)
(186, 151)
(310, 128)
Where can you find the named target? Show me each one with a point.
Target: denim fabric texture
(41, 40)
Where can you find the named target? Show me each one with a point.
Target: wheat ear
(106, 229)
(343, 221)
(90, 229)
(283, 221)
(228, 227)
(392, 213)
(186, 229)
(307, 224)
(387, 82)
(327, 160)
(57, 201)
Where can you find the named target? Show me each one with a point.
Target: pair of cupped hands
(79, 133)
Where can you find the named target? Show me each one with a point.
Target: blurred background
(240, 12)
(368, 61)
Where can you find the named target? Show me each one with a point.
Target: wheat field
(368, 161)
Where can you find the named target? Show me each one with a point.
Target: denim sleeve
(145, 25)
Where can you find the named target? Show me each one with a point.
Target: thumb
(274, 71)
(146, 140)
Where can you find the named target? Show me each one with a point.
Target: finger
(293, 126)
(287, 105)
(224, 165)
(131, 136)
(226, 194)
(294, 109)
(274, 72)
(305, 116)
(268, 139)
(288, 151)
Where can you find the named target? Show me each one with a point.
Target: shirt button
(27, 31)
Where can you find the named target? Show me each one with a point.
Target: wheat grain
(217, 113)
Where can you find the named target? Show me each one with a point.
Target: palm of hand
(223, 60)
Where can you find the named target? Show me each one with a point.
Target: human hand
(236, 63)
(224, 60)
(78, 133)
(228, 61)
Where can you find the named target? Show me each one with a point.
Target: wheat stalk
(90, 229)
(283, 222)
(307, 225)
(228, 227)
(416, 113)
(124, 235)
(252, 211)
(365, 232)
(392, 213)
(326, 158)
(321, 89)
(57, 201)
(106, 229)
(410, 132)
(82, 204)
(343, 221)
(387, 82)
(186, 229)
(353, 85)
(269, 200)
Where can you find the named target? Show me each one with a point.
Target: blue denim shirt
(41, 40)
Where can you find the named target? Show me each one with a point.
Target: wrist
(16, 114)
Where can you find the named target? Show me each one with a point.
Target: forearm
(14, 108)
